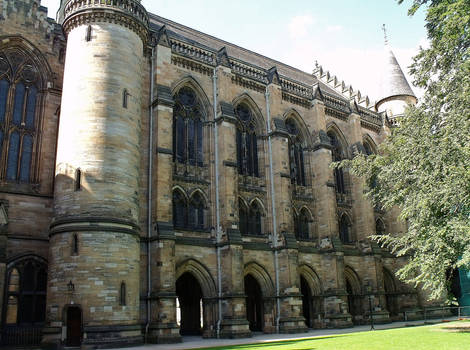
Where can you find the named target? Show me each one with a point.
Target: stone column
(94, 252)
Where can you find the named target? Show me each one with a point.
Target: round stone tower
(396, 93)
(94, 254)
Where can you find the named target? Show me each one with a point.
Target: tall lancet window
(247, 142)
(337, 156)
(296, 154)
(187, 128)
(19, 94)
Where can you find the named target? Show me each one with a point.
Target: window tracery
(250, 218)
(247, 143)
(26, 293)
(187, 128)
(189, 214)
(301, 224)
(345, 231)
(19, 100)
(296, 154)
(337, 153)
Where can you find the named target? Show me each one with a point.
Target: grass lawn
(447, 336)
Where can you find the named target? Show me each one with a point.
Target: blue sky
(344, 36)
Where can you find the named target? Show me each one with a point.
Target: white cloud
(299, 26)
(334, 29)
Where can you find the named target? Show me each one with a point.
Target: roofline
(163, 19)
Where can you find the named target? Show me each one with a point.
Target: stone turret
(93, 285)
(395, 93)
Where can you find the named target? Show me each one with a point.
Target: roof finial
(385, 34)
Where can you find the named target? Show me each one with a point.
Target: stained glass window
(19, 95)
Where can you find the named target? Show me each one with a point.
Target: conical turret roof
(394, 82)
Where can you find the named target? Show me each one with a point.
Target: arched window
(296, 154)
(180, 210)
(301, 224)
(338, 155)
(345, 233)
(247, 142)
(187, 128)
(196, 212)
(368, 148)
(379, 227)
(254, 219)
(19, 100)
(25, 302)
(242, 217)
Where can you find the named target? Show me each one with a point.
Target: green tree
(424, 166)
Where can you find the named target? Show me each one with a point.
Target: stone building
(156, 181)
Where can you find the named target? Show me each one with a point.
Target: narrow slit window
(125, 97)
(122, 294)
(88, 34)
(75, 245)
(78, 180)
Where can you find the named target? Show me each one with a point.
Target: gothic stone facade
(156, 181)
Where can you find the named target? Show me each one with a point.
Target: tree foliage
(424, 166)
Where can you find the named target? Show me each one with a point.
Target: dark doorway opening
(189, 295)
(254, 303)
(390, 295)
(354, 302)
(306, 302)
(74, 326)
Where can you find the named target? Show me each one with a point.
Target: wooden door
(74, 326)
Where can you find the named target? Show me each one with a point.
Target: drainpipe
(273, 205)
(217, 205)
(149, 199)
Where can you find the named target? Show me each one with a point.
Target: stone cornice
(128, 13)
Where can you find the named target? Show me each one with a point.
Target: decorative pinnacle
(385, 34)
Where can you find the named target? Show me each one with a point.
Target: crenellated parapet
(129, 13)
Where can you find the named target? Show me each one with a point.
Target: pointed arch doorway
(189, 305)
(254, 303)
